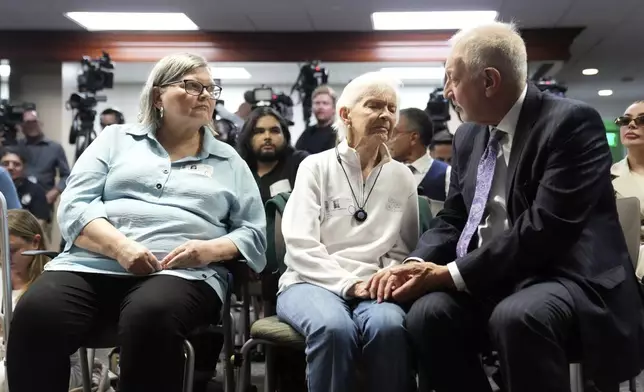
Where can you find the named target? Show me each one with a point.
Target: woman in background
(628, 174)
(25, 233)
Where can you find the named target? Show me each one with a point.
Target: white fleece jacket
(325, 245)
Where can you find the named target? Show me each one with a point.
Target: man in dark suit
(527, 257)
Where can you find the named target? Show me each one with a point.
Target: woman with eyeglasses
(628, 174)
(150, 212)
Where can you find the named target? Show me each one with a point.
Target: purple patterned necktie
(484, 176)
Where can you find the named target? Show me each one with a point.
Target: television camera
(96, 75)
(10, 118)
(438, 110)
(552, 86)
(227, 124)
(266, 96)
(311, 75)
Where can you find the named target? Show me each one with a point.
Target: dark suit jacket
(563, 226)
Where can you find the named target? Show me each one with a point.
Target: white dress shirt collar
(509, 122)
(422, 164)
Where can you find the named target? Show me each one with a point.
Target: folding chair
(270, 331)
(107, 338)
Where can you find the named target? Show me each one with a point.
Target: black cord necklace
(360, 215)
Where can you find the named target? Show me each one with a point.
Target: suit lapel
(528, 116)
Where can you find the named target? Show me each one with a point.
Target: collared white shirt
(496, 221)
(422, 165)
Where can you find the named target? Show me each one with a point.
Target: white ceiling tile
(534, 14)
(590, 12)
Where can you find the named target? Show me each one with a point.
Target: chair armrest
(49, 253)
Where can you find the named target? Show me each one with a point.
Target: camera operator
(441, 147)
(110, 117)
(45, 158)
(321, 136)
(264, 143)
(32, 196)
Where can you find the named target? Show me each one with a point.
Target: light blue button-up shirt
(126, 177)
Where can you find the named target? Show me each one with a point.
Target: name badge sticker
(279, 187)
(338, 206)
(199, 168)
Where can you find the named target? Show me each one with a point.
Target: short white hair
(365, 85)
(169, 69)
(498, 45)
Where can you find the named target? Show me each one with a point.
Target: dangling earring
(160, 112)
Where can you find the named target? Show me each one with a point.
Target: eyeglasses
(193, 87)
(626, 120)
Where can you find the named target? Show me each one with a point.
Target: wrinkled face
(323, 108)
(402, 140)
(13, 164)
(631, 130)
(17, 246)
(268, 142)
(189, 101)
(30, 124)
(372, 118)
(465, 89)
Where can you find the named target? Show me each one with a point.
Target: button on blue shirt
(126, 177)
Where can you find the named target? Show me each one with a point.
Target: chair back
(628, 210)
(424, 213)
(276, 248)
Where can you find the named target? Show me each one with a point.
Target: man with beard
(264, 143)
(321, 136)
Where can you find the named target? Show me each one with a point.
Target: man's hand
(52, 195)
(408, 281)
(192, 254)
(359, 290)
(136, 258)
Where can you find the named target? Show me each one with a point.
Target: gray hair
(370, 83)
(169, 69)
(498, 45)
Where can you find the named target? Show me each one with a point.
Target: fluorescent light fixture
(229, 73)
(416, 73)
(5, 70)
(131, 21)
(590, 71)
(435, 20)
(605, 93)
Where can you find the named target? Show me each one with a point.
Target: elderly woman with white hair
(353, 211)
(149, 213)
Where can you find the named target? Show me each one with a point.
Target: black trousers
(530, 329)
(153, 314)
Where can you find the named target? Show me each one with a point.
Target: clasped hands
(403, 283)
(139, 260)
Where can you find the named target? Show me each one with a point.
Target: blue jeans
(338, 331)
